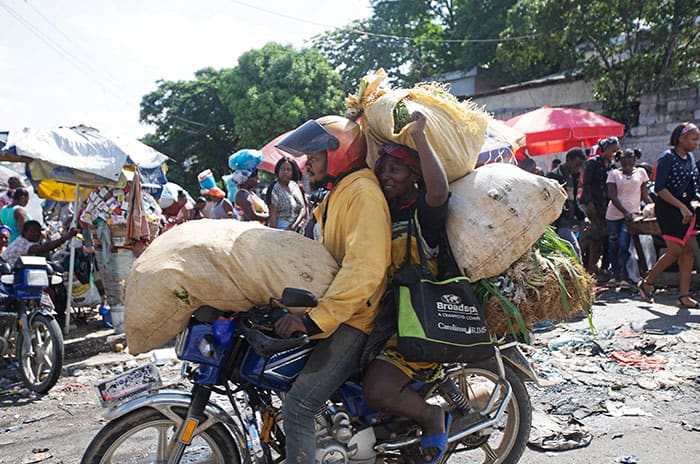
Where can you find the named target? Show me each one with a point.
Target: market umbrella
(63, 159)
(272, 154)
(555, 130)
(60, 160)
(500, 144)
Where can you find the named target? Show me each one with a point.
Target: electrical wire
(113, 87)
(385, 36)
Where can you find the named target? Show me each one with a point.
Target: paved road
(584, 383)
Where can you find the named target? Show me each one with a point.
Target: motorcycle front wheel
(147, 436)
(506, 441)
(40, 371)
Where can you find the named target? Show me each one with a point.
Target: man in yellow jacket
(354, 225)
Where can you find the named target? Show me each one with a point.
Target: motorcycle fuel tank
(277, 372)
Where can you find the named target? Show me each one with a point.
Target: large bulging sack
(456, 130)
(227, 264)
(496, 213)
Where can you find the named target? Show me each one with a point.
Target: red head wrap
(402, 152)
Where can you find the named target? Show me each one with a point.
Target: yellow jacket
(357, 233)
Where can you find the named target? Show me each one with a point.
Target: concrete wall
(659, 114)
(509, 102)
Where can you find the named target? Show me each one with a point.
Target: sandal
(647, 295)
(437, 441)
(680, 303)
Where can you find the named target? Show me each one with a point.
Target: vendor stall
(66, 164)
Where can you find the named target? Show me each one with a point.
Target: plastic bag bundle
(245, 159)
(229, 265)
(496, 213)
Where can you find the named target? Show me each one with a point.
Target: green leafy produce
(547, 282)
(401, 117)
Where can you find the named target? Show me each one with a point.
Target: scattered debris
(631, 459)
(616, 409)
(37, 418)
(37, 457)
(552, 434)
(14, 428)
(638, 360)
(691, 427)
(71, 387)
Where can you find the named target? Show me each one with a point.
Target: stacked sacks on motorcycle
(496, 212)
(229, 265)
(495, 215)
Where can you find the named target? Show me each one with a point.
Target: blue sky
(68, 62)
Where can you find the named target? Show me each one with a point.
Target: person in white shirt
(28, 244)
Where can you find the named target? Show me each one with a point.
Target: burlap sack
(456, 130)
(227, 264)
(496, 213)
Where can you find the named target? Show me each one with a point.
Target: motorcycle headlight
(36, 278)
(206, 347)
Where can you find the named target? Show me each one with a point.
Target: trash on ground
(618, 410)
(552, 434)
(691, 427)
(638, 360)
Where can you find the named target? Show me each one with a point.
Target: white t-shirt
(629, 192)
(19, 247)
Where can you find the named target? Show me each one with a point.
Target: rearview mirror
(298, 298)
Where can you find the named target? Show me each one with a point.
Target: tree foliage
(414, 40)
(276, 88)
(192, 125)
(629, 47)
(201, 122)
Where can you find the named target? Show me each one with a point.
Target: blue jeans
(283, 224)
(618, 246)
(567, 234)
(333, 360)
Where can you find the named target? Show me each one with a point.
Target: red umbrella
(272, 154)
(554, 130)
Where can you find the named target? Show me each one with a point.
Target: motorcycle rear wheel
(507, 441)
(147, 436)
(41, 371)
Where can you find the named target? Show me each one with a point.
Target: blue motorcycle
(237, 357)
(28, 328)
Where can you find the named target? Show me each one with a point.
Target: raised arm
(436, 186)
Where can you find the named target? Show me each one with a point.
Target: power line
(115, 88)
(75, 62)
(73, 43)
(386, 36)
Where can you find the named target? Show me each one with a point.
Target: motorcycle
(28, 327)
(239, 357)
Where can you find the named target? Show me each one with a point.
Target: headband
(605, 143)
(402, 153)
(688, 127)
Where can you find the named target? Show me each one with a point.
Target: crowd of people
(365, 218)
(607, 191)
(283, 205)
